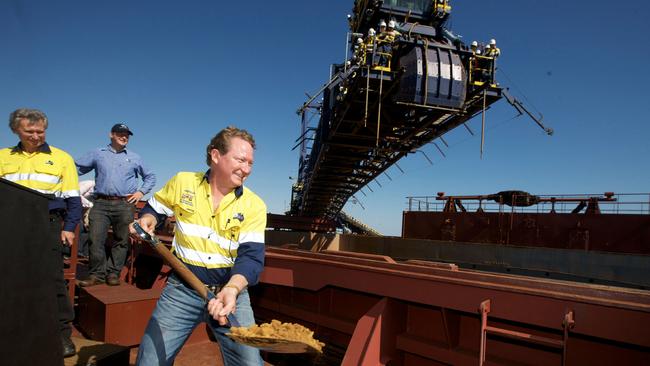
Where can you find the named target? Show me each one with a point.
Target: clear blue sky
(177, 72)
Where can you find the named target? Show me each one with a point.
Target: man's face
(233, 167)
(32, 136)
(119, 139)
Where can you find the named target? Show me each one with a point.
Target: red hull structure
(608, 223)
(604, 232)
(380, 312)
(403, 302)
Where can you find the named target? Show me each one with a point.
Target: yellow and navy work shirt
(214, 243)
(493, 52)
(388, 36)
(48, 170)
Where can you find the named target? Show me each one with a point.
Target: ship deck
(91, 352)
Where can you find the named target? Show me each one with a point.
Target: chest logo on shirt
(49, 162)
(187, 198)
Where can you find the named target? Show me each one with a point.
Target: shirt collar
(238, 191)
(45, 148)
(110, 148)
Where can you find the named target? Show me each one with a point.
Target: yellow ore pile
(276, 330)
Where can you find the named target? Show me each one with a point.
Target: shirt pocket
(8, 168)
(185, 211)
(132, 167)
(232, 230)
(49, 169)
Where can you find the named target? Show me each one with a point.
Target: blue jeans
(178, 311)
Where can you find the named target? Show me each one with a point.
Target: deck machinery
(387, 101)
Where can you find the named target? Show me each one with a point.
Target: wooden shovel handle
(175, 263)
(182, 271)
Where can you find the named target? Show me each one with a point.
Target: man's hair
(32, 115)
(221, 141)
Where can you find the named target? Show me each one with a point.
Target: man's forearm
(148, 210)
(237, 281)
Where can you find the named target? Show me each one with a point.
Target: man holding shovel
(219, 237)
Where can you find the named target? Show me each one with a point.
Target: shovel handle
(179, 268)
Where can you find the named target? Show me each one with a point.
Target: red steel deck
(418, 313)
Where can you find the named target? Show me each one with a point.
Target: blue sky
(177, 72)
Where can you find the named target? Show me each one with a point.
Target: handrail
(623, 203)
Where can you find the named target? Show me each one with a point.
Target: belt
(110, 198)
(212, 288)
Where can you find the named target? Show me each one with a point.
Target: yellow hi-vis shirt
(214, 243)
(49, 170)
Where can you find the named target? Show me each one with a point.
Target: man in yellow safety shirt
(392, 33)
(219, 236)
(42, 167)
(492, 49)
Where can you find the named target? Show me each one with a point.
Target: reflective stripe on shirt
(45, 178)
(160, 208)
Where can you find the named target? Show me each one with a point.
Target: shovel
(268, 344)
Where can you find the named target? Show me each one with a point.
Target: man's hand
(133, 198)
(226, 301)
(67, 238)
(224, 304)
(148, 222)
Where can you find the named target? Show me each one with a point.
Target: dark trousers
(65, 314)
(82, 249)
(117, 214)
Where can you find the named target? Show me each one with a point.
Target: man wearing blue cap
(117, 190)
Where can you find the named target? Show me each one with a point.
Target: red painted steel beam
(365, 345)
(374, 339)
(377, 257)
(561, 289)
(620, 315)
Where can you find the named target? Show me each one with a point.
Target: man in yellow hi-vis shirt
(219, 236)
(36, 165)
